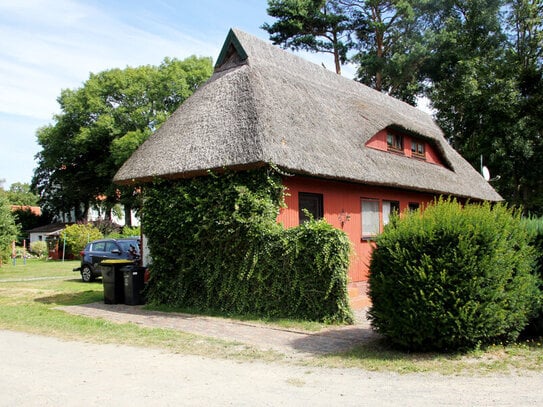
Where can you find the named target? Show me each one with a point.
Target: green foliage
(126, 231)
(390, 46)
(311, 25)
(8, 229)
(453, 277)
(486, 84)
(534, 226)
(39, 248)
(20, 194)
(106, 226)
(26, 220)
(79, 234)
(216, 245)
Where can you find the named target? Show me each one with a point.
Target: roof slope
(265, 105)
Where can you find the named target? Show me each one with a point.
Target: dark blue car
(106, 249)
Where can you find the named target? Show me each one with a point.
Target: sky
(50, 45)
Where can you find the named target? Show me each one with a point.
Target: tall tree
(525, 57)
(101, 124)
(390, 46)
(20, 194)
(311, 25)
(485, 93)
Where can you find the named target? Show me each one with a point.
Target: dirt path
(43, 371)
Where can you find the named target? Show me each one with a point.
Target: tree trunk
(336, 56)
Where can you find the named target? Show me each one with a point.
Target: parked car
(104, 249)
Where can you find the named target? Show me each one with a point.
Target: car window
(111, 246)
(129, 245)
(99, 247)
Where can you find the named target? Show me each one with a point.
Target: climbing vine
(216, 245)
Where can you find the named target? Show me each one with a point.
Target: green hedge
(216, 245)
(453, 277)
(535, 228)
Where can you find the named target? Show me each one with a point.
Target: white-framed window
(370, 218)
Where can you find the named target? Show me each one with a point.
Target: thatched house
(356, 154)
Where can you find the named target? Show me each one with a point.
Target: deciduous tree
(485, 86)
(101, 124)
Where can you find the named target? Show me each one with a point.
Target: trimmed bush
(535, 228)
(453, 277)
(216, 245)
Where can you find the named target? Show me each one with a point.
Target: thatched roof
(264, 105)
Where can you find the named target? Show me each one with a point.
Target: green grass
(377, 355)
(35, 268)
(30, 293)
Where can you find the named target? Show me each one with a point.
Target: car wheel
(86, 274)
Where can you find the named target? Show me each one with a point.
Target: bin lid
(120, 261)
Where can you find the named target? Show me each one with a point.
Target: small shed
(51, 235)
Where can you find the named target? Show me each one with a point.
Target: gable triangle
(232, 52)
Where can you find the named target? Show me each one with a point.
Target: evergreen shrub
(453, 277)
(535, 228)
(216, 245)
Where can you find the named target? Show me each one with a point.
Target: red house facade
(360, 211)
(353, 155)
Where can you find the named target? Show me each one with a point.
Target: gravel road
(43, 371)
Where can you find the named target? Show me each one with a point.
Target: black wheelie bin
(112, 280)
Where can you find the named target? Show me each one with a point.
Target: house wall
(343, 197)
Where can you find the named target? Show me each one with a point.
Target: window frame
(413, 206)
(319, 199)
(99, 247)
(395, 142)
(393, 207)
(375, 223)
(417, 145)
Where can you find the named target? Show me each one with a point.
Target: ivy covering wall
(216, 245)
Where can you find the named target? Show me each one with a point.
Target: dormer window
(395, 142)
(407, 144)
(418, 149)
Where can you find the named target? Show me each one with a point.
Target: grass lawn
(29, 294)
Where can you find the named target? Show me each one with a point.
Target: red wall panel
(343, 197)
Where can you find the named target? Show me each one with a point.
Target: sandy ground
(43, 371)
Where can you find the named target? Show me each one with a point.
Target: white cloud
(55, 45)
